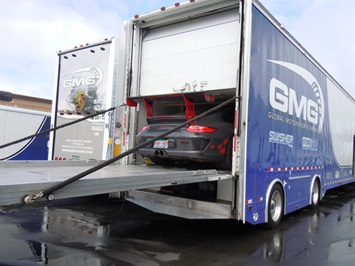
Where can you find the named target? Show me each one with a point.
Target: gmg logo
(84, 77)
(285, 99)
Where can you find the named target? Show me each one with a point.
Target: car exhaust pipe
(160, 153)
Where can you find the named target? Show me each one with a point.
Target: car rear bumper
(196, 149)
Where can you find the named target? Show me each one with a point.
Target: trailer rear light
(209, 98)
(59, 159)
(177, 4)
(200, 129)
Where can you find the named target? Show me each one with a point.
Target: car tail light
(200, 129)
(144, 128)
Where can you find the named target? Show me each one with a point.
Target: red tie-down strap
(148, 108)
(190, 108)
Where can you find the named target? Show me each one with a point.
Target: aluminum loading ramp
(21, 178)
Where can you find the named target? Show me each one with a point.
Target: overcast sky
(32, 31)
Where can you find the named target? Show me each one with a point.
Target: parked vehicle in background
(87, 83)
(17, 123)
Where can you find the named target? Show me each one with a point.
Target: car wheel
(275, 206)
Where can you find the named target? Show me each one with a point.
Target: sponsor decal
(305, 112)
(88, 76)
(82, 89)
(281, 138)
(309, 144)
(80, 101)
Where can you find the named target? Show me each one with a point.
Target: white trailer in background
(87, 83)
(17, 123)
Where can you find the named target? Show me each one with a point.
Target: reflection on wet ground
(102, 231)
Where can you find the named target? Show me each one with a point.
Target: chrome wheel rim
(276, 205)
(315, 193)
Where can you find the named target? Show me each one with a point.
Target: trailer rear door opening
(196, 55)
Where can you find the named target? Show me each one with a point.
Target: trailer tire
(275, 206)
(315, 194)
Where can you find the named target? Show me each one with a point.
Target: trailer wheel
(315, 196)
(275, 206)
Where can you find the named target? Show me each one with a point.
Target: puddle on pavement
(96, 231)
(61, 236)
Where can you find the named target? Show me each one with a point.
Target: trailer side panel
(295, 132)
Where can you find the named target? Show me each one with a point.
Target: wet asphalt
(102, 231)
